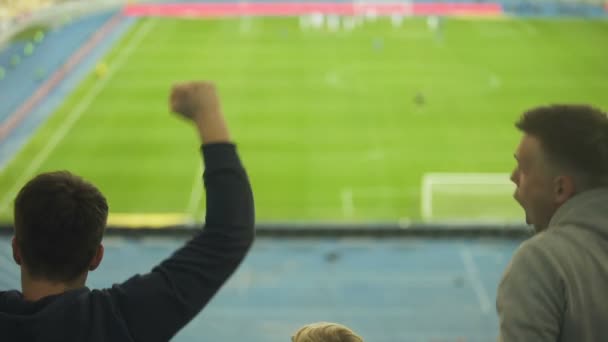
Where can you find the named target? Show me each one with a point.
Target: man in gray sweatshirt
(556, 286)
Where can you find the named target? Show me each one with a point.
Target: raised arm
(155, 306)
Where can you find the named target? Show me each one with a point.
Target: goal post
(484, 197)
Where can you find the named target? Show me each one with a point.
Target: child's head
(325, 332)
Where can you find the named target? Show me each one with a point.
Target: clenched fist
(198, 101)
(194, 99)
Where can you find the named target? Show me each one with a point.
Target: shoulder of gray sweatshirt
(556, 286)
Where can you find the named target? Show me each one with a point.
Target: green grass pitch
(327, 123)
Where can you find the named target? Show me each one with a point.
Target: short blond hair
(325, 332)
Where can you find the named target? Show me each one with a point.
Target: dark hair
(59, 223)
(574, 137)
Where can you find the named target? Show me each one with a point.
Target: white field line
(472, 272)
(75, 114)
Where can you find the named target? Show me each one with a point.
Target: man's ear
(16, 251)
(564, 188)
(97, 258)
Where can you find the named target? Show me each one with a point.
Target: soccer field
(330, 125)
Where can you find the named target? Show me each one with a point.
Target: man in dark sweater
(59, 223)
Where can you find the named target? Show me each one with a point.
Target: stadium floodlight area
(483, 197)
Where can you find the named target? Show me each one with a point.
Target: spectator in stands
(59, 223)
(556, 286)
(325, 332)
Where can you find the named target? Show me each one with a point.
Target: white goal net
(484, 197)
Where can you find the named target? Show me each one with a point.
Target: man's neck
(36, 289)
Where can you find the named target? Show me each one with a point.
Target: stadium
(378, 137)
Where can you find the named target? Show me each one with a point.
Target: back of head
(59, 223)
(574, 138)
(325, 332)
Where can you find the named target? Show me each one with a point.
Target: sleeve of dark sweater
(155, 306)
